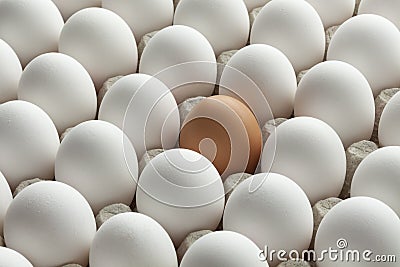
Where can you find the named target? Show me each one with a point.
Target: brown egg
(224, 130)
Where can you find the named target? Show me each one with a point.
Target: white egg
(252, 4)
(11, 258)
(28, 142)
(389, 127)
(223, 248)
(183, 59)
(309, 152)
(370, 43)
(385, 8)
(143, 16)
(378, 176)
(338, 94)
(146, 111)
(333, 13)
(5, 200)
(51, 224)
(98, 160)
(183, 191)
(67, 8)
(62, 87)
(225, 23)
(102, 42)
(30, 27)
(132, 239)
(358, 225)
(295, 28)
(10, 73)
(271, 210)
(263, 77)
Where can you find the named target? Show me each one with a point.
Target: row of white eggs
(51, 224)
(179, 55)
(75, 158)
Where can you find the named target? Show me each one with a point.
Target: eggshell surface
(360, 224)
(263, 77)
(98, 160)
(333, 13)
(11, 258)
(295, 28)
(179, 186)
(30, 27)
(10, 73)
(389, 127)
(234, 250)
(378, 176)
(309, 152)
(62, 87)
(131, 239)
(5, 200)
(272, 211)
(385, 8)
(102, 42)
(145, 110)
(51, 224)
(370, 43)
(28, 142)
(225, 23)
(226, 132)
(338, 94)
(183, 59)
(68, 8)
(143, 16)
